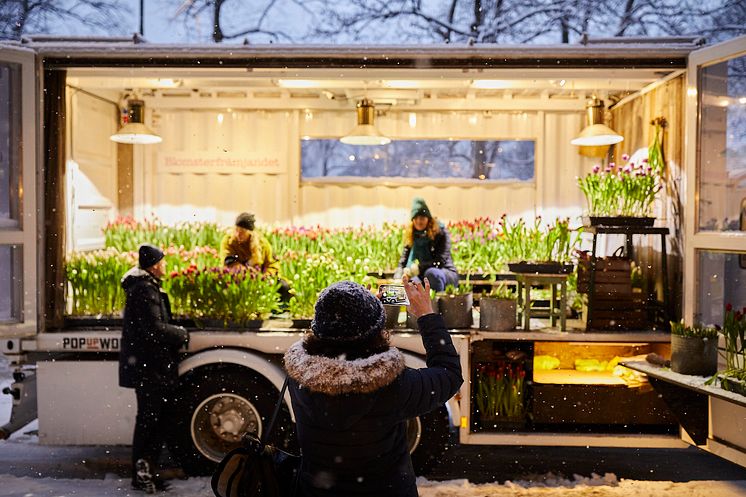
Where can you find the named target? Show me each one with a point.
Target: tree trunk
(217, 32)
(565, 29)
(626, 19)
(451, 15)
(21, 22)
(478, 18)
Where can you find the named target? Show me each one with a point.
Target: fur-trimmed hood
(337, 376)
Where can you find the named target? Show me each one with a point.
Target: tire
(215, 407)
(428, 437)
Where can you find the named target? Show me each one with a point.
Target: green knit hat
(419, 208)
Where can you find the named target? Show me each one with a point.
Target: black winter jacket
(148, 356)
(351, 415)
(440, 249)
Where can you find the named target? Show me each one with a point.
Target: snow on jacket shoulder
(351, 415)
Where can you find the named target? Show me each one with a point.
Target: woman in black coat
(148, 362)
(352, 393)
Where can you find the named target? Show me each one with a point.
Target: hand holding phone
(394, 295)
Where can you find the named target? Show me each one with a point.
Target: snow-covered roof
(125, 52)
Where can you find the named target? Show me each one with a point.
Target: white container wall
(214, 164)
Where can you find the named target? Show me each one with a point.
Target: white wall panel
(79, 410)
(92, 169)
(218, 196)
(281, 197)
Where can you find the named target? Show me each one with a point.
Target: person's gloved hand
(398, 273)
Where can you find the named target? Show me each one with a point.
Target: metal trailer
(68, 378)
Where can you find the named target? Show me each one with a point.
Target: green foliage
(461, 289)
(231, 295)
(312, 272)
(621, 190)
(734, 332)
(500, 390)
(501, 291)
(696, 331)
(126, 233)
(310, 259)
(538, 243)
(93, 281)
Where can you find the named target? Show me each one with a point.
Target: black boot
(143, 478)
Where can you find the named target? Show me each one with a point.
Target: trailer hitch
(23, 391)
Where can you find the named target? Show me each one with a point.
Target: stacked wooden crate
(615, 305)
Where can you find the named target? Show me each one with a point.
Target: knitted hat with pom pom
(347, 311)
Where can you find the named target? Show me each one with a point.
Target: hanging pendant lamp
(596, 133)
(365, 133)
(135, 131)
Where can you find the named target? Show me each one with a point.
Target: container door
(18, 240)
(715, 190)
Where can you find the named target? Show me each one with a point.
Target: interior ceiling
(384, 87)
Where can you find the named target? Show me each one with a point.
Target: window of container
(484, 160)
(10, 145)
(722, 151)
(11, 284)
(720, 281)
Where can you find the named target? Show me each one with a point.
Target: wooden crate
(619, 313)
(613, 275)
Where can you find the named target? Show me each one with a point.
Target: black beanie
(149, 255)
(419, 208)
(347, 311)
(246, 221)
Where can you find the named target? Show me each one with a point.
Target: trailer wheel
(428, 439)
(215, 407)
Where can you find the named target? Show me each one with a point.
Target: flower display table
(555, 282)
(628, 231)
(711, 416)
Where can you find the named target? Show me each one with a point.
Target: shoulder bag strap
(278, 405)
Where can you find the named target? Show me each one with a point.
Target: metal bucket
(694, 355)
(456, 310)
(497, 314)
(412, 321)
(392, 316)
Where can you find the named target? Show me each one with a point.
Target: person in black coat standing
(148, 362)
(352, 394)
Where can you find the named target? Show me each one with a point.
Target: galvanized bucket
(694, 355)
(497, 314)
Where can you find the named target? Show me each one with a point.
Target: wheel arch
(243, 358)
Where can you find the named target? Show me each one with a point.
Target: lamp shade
(597, 134)
(135, 131)
(365, 133)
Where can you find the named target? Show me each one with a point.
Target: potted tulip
(620, 194)
(733, 378)
(497, 310)
(455, 305)
(693, 349)
(535, 248)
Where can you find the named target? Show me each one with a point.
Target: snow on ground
(548, 486)
(596, 486)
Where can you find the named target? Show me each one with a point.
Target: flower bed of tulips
(93, 281)
(218, 293)
(126, 233)
(310, 260)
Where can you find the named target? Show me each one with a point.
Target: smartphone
(394, 295)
